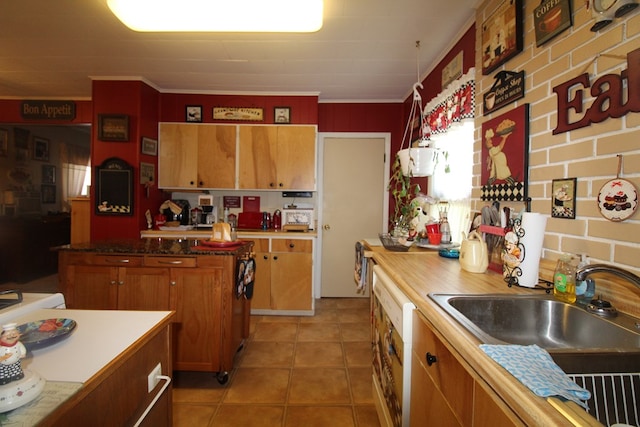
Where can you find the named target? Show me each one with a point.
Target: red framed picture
(505, 148)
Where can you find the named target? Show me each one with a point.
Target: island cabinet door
(90, 287)
(196, 297)
(143, 288)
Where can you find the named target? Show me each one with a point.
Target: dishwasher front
(392, 328)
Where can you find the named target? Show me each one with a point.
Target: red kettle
(277, 220)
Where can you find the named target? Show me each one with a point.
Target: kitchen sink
(541, 320)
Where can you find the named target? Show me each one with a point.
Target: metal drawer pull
(118, 261)
(174, 262)
(431, 359)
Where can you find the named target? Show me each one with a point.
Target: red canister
(159, 221)
(276, 222)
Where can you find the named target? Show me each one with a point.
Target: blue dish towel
(535, 368)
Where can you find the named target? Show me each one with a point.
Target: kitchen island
(495, 397)
(196, 281)
(98, 373)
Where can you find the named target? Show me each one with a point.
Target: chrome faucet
(599, 306)
(582, 273)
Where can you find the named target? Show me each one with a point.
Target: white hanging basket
(419, 161)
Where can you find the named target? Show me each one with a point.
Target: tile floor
(312, 371)
(293, 371)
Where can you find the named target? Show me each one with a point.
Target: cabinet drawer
(449, 376)
(108, 260)
(261, 245)
(291, 245)
(170, 261)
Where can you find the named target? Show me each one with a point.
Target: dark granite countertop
(157, 246)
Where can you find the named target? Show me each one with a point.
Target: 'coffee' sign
(48, 110)
(608, 91)
(508, 87)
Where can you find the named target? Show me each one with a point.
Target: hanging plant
(403, 191)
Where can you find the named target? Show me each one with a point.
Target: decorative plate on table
(222, 244)
(43, 333)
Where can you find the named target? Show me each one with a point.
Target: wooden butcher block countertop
(419, 273)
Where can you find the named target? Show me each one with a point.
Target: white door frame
(385, 199)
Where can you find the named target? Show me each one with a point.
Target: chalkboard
(114, 188)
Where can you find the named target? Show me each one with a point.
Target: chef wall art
(505, 147)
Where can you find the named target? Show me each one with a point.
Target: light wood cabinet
(284, 275)
(196, 156)
(80, 220)
(444, 392)
(210, 322)
(277, 157)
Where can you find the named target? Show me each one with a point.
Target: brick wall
(590, 153)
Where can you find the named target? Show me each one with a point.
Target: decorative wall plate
(618, 200)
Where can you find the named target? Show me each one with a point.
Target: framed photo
(40, 149)
(502, 37)
(505, 148)
(550, 19)
(4, 143)
(113, 127)
(193, 113)
(149, 146)
(282, 115)
(563, 198)
(48, 193)
(48, 174)
(147, 172)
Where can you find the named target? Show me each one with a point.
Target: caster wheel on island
(222, 377)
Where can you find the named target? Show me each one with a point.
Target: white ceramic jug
(473, 253)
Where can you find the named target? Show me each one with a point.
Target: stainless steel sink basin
(541, 320)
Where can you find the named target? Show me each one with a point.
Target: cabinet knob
(275, 258)
(326, 227)
(271, 184)
(113, 282)
(191, 182)
(431, 359)
(292, 245)
(201, 184)
(265, 257)
(281, 185)
(121, 282)
(172, 283)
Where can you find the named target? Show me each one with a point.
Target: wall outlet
(152, 379)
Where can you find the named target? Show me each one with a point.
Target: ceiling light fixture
(219, 15)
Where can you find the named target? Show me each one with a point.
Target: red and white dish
(222, 244)
(618, 200)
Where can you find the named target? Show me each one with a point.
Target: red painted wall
(141, 103)
(304, 109)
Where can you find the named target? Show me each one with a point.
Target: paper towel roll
(533, 225)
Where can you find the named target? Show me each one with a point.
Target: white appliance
(30, 302)
(298, 219)
(392, 333)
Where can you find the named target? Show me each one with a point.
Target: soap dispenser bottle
(564, 279)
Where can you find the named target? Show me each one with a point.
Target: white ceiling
(51, 49)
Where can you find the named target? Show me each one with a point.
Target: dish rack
(614, 397)
(392, 243)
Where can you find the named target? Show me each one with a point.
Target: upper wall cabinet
(277, 158)
(196, 156)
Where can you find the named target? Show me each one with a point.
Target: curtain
(75, 166)
(449, 122)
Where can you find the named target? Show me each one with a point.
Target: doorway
(354, 172)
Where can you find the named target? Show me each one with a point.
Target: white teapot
(474, 256)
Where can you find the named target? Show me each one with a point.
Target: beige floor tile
(327, 303)
(366, 416)
(197, 387)
(352, 303)
(321, 316)
(248, 415)
(319, 332)
(359, 315)
(315, 354)
(256, 385)
(358, 353)
(355, 331)
(266, 354)
(319, 386)
(314, 416)
(186, 415)
(361, 384)
(275, 331)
